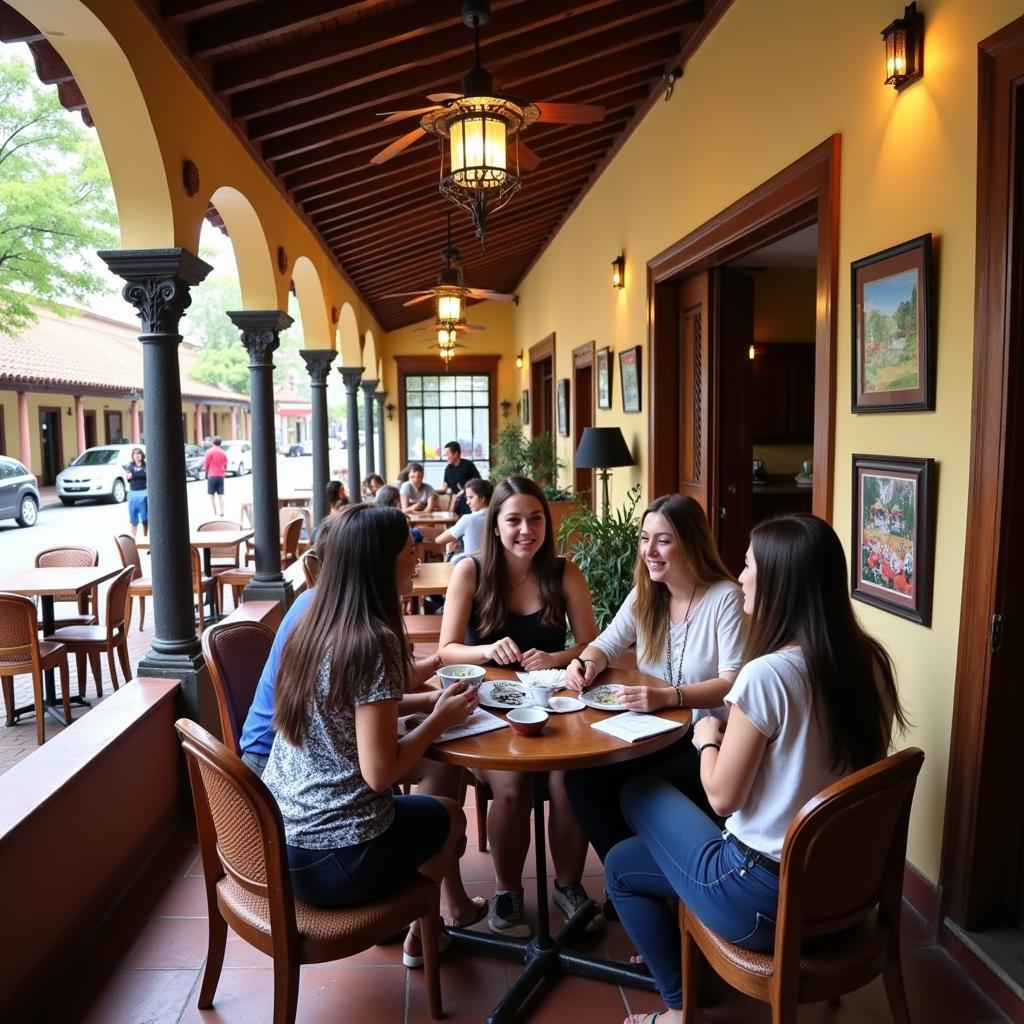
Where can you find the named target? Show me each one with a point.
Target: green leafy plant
(604, 547)
(513, 454)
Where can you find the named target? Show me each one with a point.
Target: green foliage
(513, 454)
(56, 203)
(605, 550)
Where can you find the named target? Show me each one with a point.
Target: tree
(56, 202)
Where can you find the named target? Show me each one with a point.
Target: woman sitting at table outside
(371, 485)
(469, 530)
(814, 702)
(337, 496)
(508, 606)
(685, 616)
(336, 753)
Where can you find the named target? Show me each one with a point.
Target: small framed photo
(604, 378)
(894, 330)
(629, 378)
(893, 551)
(563, 407)
(525, 417)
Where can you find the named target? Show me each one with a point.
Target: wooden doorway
(89, 420)
(688, 382)
(113, 427)
(582, 412)
(51, 444)
(982, 871)
(542, 387)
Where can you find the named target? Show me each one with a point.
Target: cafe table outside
(567, 742)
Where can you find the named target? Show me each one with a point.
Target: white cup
(541, 693)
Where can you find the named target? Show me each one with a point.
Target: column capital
(351, 375)
(158, 283)
(260, 332)
(380, 395)
(318, 363)
(369, 387)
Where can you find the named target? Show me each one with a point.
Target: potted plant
(605, 550)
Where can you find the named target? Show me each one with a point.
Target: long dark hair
(355, 616)
(651, 608)
(494, 584)
(801, 597)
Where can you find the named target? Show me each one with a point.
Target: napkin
(479, 721)
(544, 676)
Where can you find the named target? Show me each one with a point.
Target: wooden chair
(284, 517)
(840, 890)
(72, 556)
(311, 568)
(227, 555)
(23, 653)
(92, 641)
(241, 841)
(236, 653)
(141, 585)
(202, 587)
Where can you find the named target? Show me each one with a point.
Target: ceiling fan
(482, 125)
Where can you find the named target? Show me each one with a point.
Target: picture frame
(603, 357)
(525, 416)
(630, 378)
(893, 544)
(893, 329)
(562, 394)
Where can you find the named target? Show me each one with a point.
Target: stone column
(369, 386)
(382, 462)
(79, 424)
(211, 420)
(318, 363)
(197, 423)
(234, 422)
(350, 375)
(260, 336)
(134, 413)
(158, 283)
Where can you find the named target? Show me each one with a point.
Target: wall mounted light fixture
(904, 48)
(619, 271)
(505, 406)
(519, 360)
(752, 352)
(390, 410)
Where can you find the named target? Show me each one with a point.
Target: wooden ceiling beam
(16, 28)
(50, 66)
(181, 12)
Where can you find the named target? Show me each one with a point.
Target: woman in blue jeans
(814, 702)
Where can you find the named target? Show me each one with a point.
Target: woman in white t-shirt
(815, 702)
(685, 616)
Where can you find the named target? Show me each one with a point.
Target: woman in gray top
(337, 752)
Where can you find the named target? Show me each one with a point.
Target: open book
(632, 726)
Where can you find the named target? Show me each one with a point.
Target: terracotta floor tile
(240, 954)
(129, 997)
(177, 897)
(470, 986)
(170, 942)
(939, 991)
(577, 999)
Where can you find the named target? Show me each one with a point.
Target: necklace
(519, 583)
(677, 679)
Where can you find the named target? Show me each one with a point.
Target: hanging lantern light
(449, 304)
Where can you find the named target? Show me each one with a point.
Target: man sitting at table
(457, 474)
(416, 495)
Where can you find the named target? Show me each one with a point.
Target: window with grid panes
(447, 407)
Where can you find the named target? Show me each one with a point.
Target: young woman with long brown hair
(685, 615)
(814, 701)
(509, 605)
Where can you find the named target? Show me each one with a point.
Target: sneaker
(506, 916)
(572, 898)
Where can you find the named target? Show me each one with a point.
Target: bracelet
(704, 746)
(679, 695)
(584, 662)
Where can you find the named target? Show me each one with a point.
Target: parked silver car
(19, 496)
(97, 473)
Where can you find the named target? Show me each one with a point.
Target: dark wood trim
(3, 432)
(583, 356)
(57, 442)
(923, 896)
(976, 844)
(431, 365)
(544, 349)
(805, 193)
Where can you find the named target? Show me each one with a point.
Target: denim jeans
(680, 853)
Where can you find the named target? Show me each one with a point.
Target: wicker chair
(840, 890)
(72, 556)
(22, 653)
(141, 585)
(235, 653)
(227, 555)
(311, 568)
(284, 517)
(202, 586)
(92, 641)
(241, 841)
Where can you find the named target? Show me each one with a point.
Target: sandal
(642, 1018)
(480, 907)
(413, 957)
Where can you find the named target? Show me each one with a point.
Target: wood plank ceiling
(303, 81)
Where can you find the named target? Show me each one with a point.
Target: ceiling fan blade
(486, 293)
(469, 328)
(397, 146)
(442, 97)
(570, 113)
(528, 160)
(420, 298)
(389, 117)
(405, 295)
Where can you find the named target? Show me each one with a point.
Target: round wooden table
(567, 742)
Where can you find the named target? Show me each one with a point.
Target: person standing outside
(416, 495)
(138, 504)
(457, 474)
(215, 465)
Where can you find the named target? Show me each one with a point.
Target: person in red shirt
(215, 465)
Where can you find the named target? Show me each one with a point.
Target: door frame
(804, 193)
(975, 845)
(583, 358)
(57, 442)
(544, 349)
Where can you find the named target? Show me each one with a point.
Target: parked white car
(96, 473)
(239, 455)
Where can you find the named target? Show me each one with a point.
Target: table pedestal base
(55, 710)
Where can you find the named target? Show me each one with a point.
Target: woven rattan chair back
(226, 551)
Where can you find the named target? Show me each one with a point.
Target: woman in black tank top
(512, 607)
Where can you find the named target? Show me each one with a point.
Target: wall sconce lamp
(390, 410)
(752, 351)
(619, 271)
(519, 360)
(904, 48)
(68, 410)
(505, 406)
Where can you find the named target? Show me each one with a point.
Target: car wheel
(201, 474)
(242, 469)
(29, 511)
(67, 501)
(118, 492)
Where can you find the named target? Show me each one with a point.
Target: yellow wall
(743, 111)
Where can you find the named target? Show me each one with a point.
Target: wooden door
(51, 444)
(582, 413)
(694, 422)
(113, 427)
(542, 387)
(89, 419)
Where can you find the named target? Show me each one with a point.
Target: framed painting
(604, 378)
(525, 407)
(629, 378)
(893, 551)
(563, 407)
(894, 330)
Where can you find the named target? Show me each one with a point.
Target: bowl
(472, 674)
(527, 721)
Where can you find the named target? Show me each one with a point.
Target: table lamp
(601, 448)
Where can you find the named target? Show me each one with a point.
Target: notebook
(632, 726)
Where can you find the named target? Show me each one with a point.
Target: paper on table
(544, 676)
(479, 721)
(631, 726)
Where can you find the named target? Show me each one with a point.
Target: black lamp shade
(601, 448)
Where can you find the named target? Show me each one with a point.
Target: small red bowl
(527, 721)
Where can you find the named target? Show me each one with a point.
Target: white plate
(591, 697)
(563, 705)
(512, 694)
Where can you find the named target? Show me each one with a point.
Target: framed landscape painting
(629, 378)
(604, 378)
(893, 329)
(563, 407)
(893, 551)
